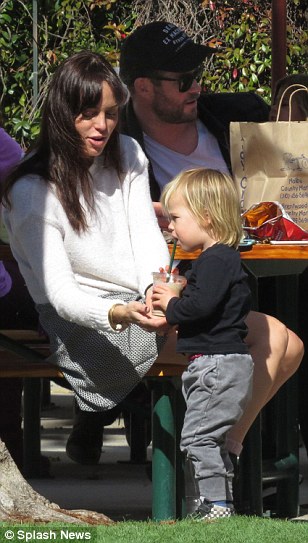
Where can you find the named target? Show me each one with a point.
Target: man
(179, 128)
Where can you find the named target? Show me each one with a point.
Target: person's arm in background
(10, 154)
(5, 281)
(163, 221)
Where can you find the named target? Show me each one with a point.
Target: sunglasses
(185, 81)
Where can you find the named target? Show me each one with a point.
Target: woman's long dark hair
(57, 156)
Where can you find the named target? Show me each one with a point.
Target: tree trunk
(20, 503)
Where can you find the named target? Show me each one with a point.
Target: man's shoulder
(239, 106)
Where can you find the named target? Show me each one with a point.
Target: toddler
(204, 212)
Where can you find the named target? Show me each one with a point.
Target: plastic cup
(175, 282)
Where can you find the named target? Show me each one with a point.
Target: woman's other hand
(140, 314)
(163, 221)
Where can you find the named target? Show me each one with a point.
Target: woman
(81, 225)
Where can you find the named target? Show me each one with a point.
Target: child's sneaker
(211, 511)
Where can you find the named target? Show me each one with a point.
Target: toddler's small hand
(175, 271)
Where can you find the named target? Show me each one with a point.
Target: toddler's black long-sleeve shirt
(211, 313)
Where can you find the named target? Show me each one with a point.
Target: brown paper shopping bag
(270, 163)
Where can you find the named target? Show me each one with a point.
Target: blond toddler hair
(212, 194)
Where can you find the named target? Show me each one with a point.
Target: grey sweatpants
(216, 389)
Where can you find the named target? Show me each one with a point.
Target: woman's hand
(140, 314)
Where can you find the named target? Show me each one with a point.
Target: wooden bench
(22, 354)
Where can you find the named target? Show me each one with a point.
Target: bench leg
(287, 450)
(181, 510)
(32, 427)
(248, 493)
(138, 439)
(164, 450)
(287, 402)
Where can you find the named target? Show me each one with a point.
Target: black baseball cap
(159, 46)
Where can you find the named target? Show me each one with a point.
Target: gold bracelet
(148, 287)
(117, 327)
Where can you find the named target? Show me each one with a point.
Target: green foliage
(242, 29)
(63, 27)
(244, 32)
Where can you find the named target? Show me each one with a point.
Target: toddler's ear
(206, 219)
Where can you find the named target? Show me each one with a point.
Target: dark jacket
(216, 111)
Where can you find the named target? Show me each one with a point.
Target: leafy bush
(242, 30)
(63, 27)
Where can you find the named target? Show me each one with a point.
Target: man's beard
(172, 114)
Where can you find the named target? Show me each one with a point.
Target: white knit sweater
(118, 253)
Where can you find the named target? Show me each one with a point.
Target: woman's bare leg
(277, 353)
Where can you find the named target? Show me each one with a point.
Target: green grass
(235, 530)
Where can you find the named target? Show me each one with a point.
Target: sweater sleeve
(43, 246)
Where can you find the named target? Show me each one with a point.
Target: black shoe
(84, 444)
(138, 404)
(78, 450)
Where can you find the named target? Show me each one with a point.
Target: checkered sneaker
(209, 511)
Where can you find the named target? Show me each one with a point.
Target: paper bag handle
(301, 89)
